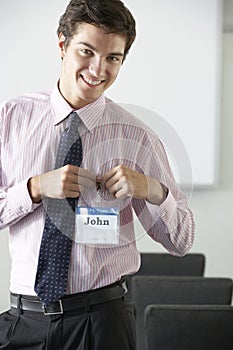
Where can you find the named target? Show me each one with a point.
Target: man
(122, 167)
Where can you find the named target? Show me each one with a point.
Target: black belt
(70, 302)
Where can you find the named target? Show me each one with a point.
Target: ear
(61, 44)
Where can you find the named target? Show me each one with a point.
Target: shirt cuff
(19, 199)
(166, 210)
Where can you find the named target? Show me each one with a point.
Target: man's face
(90, 64)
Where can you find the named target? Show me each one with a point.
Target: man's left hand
(124, 182)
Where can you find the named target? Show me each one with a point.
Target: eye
(114, 59)
(86, 52)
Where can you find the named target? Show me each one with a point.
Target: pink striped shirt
(30, 129)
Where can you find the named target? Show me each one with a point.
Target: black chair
(164, 264)
(148, 290)
(189, 327)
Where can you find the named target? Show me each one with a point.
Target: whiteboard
(172, 70)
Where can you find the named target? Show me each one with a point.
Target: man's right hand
(65, 182)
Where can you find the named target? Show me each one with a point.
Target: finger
(76, 192)
(80, 176)
(86, 178)
(71, 191)
(86, 173)
(124, 189)
(73, 188)
(74, 170)
(86, 181)
(116, 187)
(123, 193)
(70, 169)
(108, 175)
(72, 194)
(112, 182)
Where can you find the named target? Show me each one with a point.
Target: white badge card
(97, 225)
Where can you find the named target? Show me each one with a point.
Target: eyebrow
(94, 49)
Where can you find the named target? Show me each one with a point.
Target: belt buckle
(59, 312)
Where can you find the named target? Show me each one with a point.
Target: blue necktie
(55, 249)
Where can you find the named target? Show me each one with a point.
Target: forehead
(99, 37)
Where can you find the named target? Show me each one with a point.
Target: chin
(91, 97)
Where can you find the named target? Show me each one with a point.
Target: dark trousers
(105, 326)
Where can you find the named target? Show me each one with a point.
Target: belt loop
(87, 305)
(19, 304)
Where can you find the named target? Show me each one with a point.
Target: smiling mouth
(90, 81)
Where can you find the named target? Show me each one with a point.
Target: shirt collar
(90, 114)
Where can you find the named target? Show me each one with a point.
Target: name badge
(97, 225)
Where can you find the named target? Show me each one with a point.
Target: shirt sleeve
(172, 223)
(15, 203)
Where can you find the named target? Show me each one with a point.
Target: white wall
(212, 209)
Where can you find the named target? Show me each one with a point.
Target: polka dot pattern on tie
(56, 244)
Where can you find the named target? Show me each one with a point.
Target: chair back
(158, 290)
(189, 327)
(164, 264)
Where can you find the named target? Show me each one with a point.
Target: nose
(97, 67)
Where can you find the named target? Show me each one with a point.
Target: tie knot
(73, 120)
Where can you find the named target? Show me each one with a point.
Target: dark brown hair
(111, 15)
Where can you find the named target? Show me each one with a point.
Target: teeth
(91, 82)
